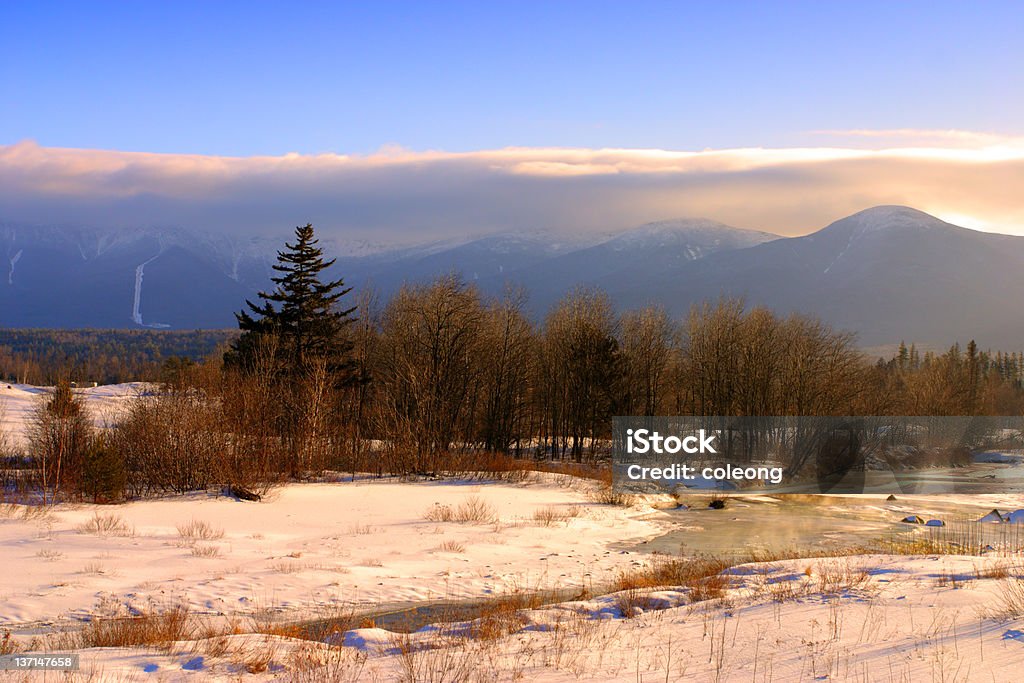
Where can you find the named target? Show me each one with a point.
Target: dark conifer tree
(302, 312)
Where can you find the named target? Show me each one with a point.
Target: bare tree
(427, 368)
(507, 357)
(647, 349)
(581, 370)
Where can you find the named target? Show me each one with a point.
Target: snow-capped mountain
(650, 250)
(77, 277)
(168, 277)
(887, 273)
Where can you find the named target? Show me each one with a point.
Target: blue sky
(398, 120)
(255, 78)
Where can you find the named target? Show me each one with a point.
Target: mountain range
(888, 273)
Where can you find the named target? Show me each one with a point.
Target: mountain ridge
(887, 273)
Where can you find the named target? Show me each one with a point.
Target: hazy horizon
(403, 196)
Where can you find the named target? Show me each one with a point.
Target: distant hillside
(888, 273)
(104, 356)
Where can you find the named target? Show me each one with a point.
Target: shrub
(453, 547)
(207, 551)
(606, 495)
(148, 629)
(103, 472)
(7, 644)
(673, 572)
(550, 514)
(198, 530)
(1010, 601)
(473, 510)
(105, 525)
(169, 443)
(59, 436)
(315, 662)
(439, 512)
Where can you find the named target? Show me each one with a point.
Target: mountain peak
(688, 231)
(887, 217)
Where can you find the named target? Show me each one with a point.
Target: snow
(307, 546)
(886, 217)
(367, 639)
(994, 517)
(879, 219)
(698, 236)
(13, 261)
(137, 296)
(1015, 517)
(860, 618)
(18, 403)
(312, 550)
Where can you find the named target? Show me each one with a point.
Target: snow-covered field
(249, 575)
(18, 403)
(307, 547)
(314, 551)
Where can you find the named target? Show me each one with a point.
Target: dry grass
(473, 510)
(159, 629)
(49, 555)
(839, 576)
(711, 587)
(706, 578)
(439, 512)
(607, 495)
(214, 645)
(105, 525)
(198, 530)
(503, 616)
(632, 602)
(957, 537)
(27, 513)
(315, 662)
(8, 646)
(206, 551)
(689, 573)
(502, 467)
(452, 547)
(256, 660)
(450, 658)
(552, 514)
(1000, 570)
(287, 567)
(1010, 600)
(952, 580)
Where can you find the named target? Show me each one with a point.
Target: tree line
(440, 377)
(45, 357)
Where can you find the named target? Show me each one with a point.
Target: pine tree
(103, 472)
(302, 313)
(903, 356)
(60, 435)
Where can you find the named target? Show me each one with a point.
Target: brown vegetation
(447, 382)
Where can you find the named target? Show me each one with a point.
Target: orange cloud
(436, 193)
